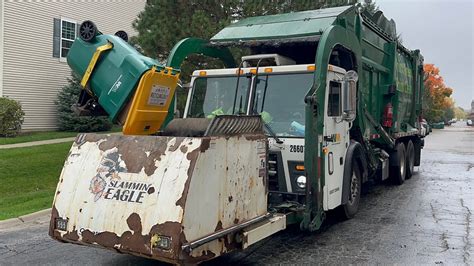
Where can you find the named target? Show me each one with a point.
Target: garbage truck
(322, 102)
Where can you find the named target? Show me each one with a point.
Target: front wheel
(352, 205)
(398, 167)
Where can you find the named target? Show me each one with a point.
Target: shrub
(70, 121)
(11, 117)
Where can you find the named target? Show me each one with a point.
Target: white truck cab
(277, 93)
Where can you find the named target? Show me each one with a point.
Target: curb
(24, 219)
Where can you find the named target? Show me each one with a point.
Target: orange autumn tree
(437, 102)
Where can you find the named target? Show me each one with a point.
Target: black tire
(398, 167)
(410, 159)
(87, 30)
(355, 186)
(122, 35)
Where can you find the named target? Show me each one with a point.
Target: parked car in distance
(438, 125)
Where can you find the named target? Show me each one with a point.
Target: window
(64, 34)
(217, 95)
(68, 35)
(279, 98)
(334, 99)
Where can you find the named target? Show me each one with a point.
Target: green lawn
(28, 178)
(45, 135)
(35, 136)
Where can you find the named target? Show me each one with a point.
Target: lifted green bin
(133, 90)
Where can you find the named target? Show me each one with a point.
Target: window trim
(61, 58)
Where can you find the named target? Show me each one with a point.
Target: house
(35, 36)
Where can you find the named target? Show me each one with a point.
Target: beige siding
(30, 73)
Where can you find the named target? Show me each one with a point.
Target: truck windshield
(279, 98)
(215, 96)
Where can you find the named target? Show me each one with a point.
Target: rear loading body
(324, 101)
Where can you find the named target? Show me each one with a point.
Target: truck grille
(273, 184)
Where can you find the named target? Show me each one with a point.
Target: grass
(36, 136)
(28, 178)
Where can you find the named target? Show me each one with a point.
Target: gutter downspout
(2, 26)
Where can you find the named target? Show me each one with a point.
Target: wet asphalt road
(428, 220)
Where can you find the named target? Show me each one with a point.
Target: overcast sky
(443, 31)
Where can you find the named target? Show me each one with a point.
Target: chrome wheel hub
(354, 188)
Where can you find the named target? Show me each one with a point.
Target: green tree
(369, 6)
(437, 102)
(70, 121)
(163, 23)
(449, 113)
(459, 113)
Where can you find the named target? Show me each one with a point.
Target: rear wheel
(352, 205)
(410, 160)
(398, 167)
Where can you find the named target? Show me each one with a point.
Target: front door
(336, 139)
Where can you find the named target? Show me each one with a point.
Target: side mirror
(350, 95)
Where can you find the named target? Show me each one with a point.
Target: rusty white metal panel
(118, 191)
(228, 187)
(125, 192)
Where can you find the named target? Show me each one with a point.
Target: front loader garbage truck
(322, 102)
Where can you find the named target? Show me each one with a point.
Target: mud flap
(151, 102)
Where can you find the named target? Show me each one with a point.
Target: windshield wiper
(272, 133)
(264, 93)
(237, 86)
(254, 111)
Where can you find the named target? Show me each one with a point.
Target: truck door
(335, 141)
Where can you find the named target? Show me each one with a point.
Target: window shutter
(77, 30)
(56, 38)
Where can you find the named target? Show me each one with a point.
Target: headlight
(301, 181)
(162, 242)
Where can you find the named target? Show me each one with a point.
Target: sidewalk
(27, 220)
(36, 143)
(48, 141)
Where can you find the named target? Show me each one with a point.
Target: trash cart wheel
(87, 30)
(122, 34)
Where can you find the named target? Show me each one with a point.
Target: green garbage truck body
(321, 102)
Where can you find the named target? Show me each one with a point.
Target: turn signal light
(300, 167)
(325, 150)
(202, 73)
